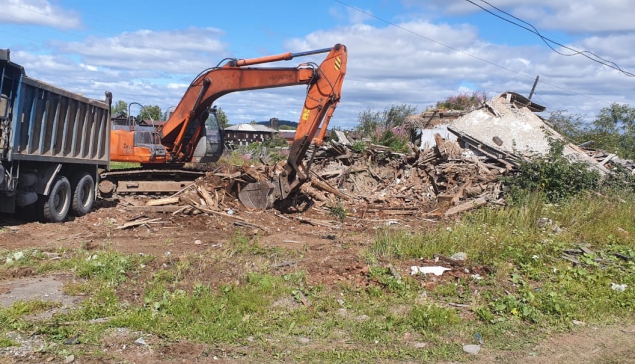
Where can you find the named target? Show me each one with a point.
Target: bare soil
(328, 256)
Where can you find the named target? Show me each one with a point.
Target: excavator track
(146, 181)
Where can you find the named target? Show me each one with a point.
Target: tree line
(154, 112)
(612, 130)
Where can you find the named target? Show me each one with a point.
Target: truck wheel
(55, 206)
(83, 193)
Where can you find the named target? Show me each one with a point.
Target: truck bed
(44, 123)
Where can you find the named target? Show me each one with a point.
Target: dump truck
(52, 145)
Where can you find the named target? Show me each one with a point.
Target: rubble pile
(423, 181)
(456, 167)
(610, 160)
(443, 179)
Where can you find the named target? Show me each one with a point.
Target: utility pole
(533, 87)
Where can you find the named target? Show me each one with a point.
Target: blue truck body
(52, 144)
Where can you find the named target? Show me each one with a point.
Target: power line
(588, 54)
(466, 53)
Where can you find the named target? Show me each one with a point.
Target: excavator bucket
(258, 195)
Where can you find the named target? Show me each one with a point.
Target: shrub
(463, 101)
(386, 127)
(554, 175)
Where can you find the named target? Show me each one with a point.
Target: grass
(123, 165)
(6, 342)
(531, 281)
(527, 289)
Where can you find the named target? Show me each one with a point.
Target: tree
(386, 127)
(371, 122)
(121, 107)
(150, 113)
(570, 126)
(614, 130)
(222, 118)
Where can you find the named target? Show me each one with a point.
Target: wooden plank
(162, 209)
(324, 186)
(466, 206)
(163, 201)
(142, 221)
(209, 200)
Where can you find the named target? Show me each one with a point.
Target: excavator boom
(324, 88)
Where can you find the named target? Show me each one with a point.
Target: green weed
(123, 165)
(432, 318)
(338, 211)
(6, 343)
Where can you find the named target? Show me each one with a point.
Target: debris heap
(443, 175)
(443, 179)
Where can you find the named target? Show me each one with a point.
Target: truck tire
(83, 193)
(55, 206)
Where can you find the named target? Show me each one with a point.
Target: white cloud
(391, 66)
(386, 66)
(179, 51)
(38, 12)
(566, 15)
(177, 86)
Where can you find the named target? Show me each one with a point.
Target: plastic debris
(479, 338)
(437, 270)
(472, 349)
(141, 342)
(72, 340)
(618, 287)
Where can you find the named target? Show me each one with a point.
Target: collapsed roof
(507, 128)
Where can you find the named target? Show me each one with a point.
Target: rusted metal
(256, 195)
(124, 187)
(151, 181)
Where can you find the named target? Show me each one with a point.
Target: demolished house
(445, 177)
(506, 128)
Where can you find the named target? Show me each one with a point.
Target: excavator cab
(210, 145)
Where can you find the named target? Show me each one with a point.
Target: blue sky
(148, 51)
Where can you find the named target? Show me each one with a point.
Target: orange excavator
(186, 137)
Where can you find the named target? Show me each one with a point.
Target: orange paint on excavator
(183, 137)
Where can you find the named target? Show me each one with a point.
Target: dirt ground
(320, 259)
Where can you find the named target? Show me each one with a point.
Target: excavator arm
(324, 85)
(234, 76)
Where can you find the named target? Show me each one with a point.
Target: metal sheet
(52, 124)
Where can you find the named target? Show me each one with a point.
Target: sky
(413, 52)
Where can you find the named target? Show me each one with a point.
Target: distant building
(288, 135)
(245, 134)
(120, 119)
